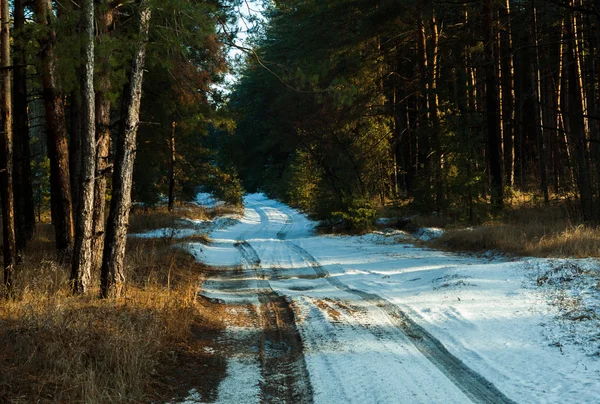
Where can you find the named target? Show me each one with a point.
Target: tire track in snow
(284, 372)
(264, 221)
(472, 384)
(285, 229)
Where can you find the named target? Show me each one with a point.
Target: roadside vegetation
(57, 347)
(527, 226)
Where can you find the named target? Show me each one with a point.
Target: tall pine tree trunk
(103, 106)
(508, 91)
(82, 257)
(113, 271)
(56, 133)
(6, 152)
(75, 153)
(436, 127)
(423, 145)
(492, 106)
(23, 189)
(102, 150)
(576, 124)
(539, 116)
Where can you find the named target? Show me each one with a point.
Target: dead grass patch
(56, 347)
(528, 229)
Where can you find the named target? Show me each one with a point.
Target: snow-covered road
(374, 320)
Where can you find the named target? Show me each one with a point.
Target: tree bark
(435, 114)
(75, 144)
(6, 170)
(103, 107)
(102, 150)
(492, 105)
(113, 271)
(23, 189)
(422, 118)
(82, 258)
(56, 133)
(539, 115)
(576, 124)
(508, 91)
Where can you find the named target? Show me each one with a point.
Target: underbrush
(527, 228)
(56, 347)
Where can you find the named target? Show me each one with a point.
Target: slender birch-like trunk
(82, 258)
(113, 271)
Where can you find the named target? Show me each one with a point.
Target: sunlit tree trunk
(6, 152)
(103, 107)
(435, 113)
(82, 257)
(113, 271)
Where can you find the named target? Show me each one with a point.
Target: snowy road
(371, 320)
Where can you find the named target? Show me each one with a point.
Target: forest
(115, 114)
(348, 105)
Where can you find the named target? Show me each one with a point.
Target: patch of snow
(428, 233)
(167, 233)
(387, 236)
(385, 221)
(207, 200)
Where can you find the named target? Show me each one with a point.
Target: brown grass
(527, 228)
(55, 347)
(159, 217)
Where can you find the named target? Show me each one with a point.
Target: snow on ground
(428, 233)
(207, 200)
(241, 386)
(529, 326)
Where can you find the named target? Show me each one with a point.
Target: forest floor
(382, 318)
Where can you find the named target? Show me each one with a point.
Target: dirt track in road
(284, 374)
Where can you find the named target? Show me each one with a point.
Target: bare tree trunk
(113, 271)
(102, 150)
(491, 97)
(560, 115)
(539, 116)
(56, 133)
(82, 257)
(103, 106)
(172, 163)
(23, 189)
(508, 91)
(75, 140)
(423, 105)
(435, 114)
(576, 124)
(6, 182)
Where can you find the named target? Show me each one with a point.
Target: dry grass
(55, 347)
(159, 217)
(528, 228)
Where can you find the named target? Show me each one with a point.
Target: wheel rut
(472, 384)
(285, 376)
